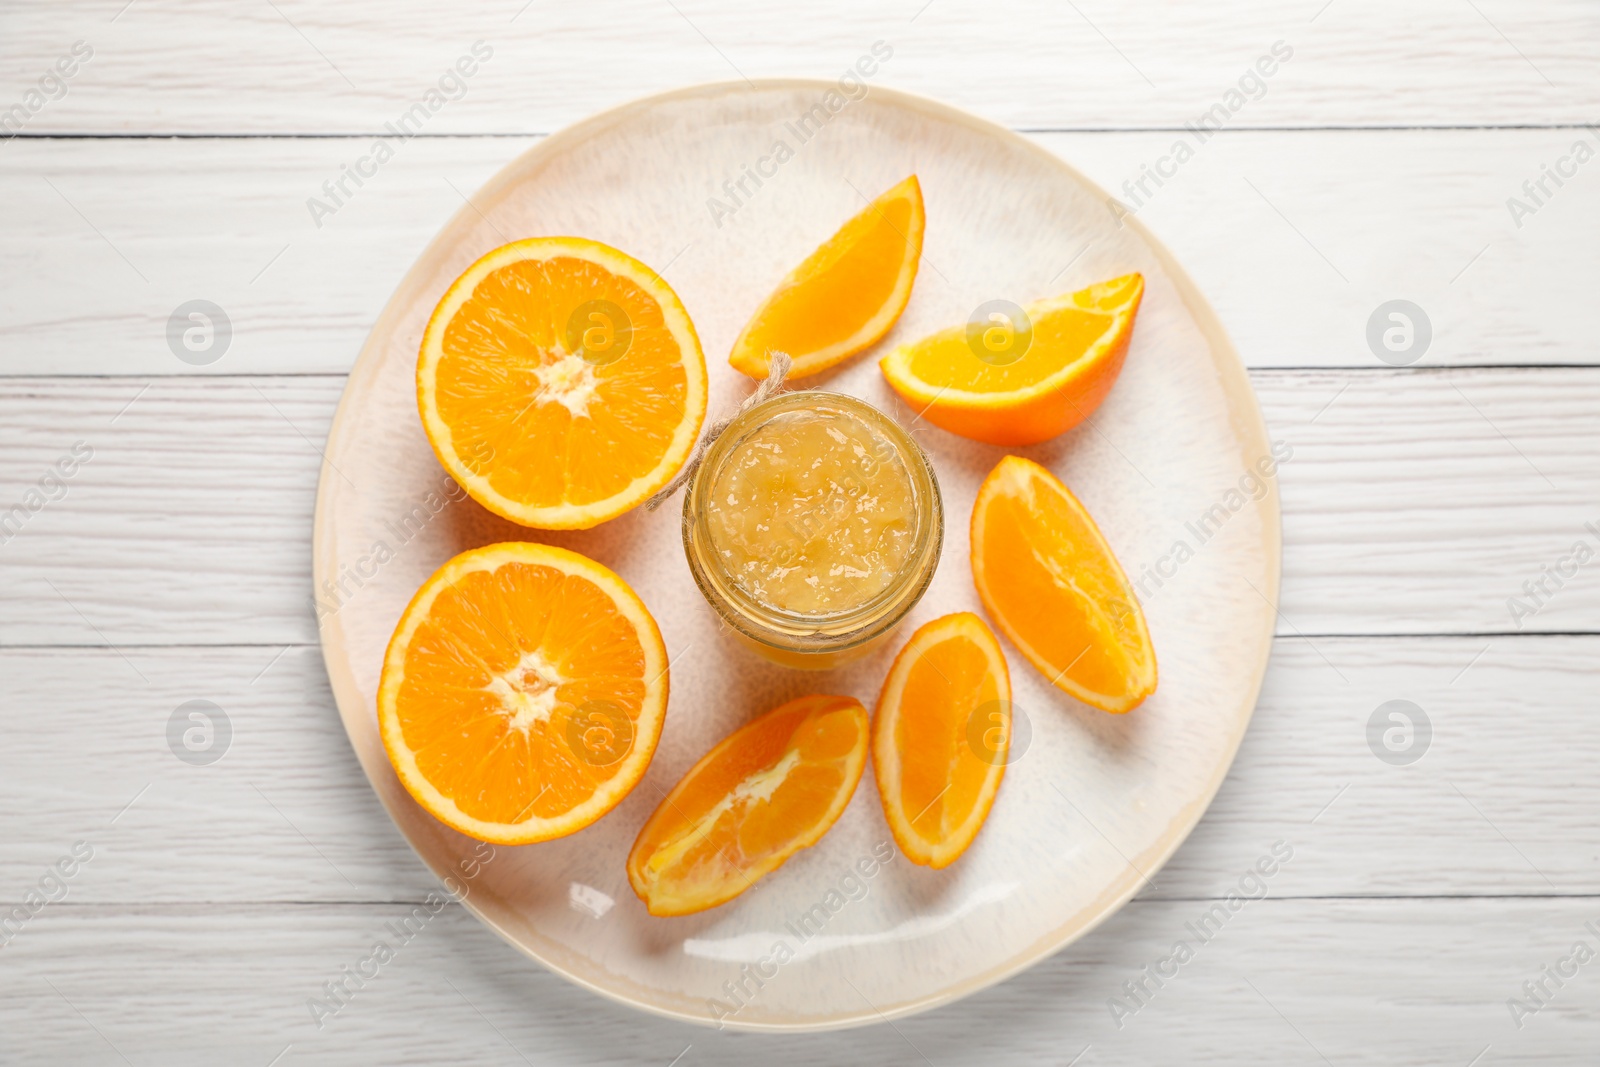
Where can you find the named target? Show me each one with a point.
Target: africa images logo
(851, 87)
(754, 976)
(451, 85)
(1251, 85)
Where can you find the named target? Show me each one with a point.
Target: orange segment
(1050, 582)
(522, 693)
(941, 737)
(845, 295)
(766, 791)
(1012, 379)
(561, 382)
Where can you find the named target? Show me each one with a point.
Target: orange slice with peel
(941, 737)
(522, 693)
(766, 791)
(846, 294)
(1018, 376)
(561, 382)
(1052, 585)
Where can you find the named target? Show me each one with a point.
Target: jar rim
(825, 630)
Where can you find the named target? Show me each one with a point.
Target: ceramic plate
(1093, 804)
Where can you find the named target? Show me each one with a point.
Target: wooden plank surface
(1415, 502)
(294, 67)
(1379, 983)
(285, 813)
(1431, 514)
(1296, 237)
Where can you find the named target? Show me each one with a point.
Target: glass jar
(813, 525)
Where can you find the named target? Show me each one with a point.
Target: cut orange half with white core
(942, 737)
(1018, 376)
(846, 294)
(522, 693)
(1052, 585)
(768, 790)
(561, 382)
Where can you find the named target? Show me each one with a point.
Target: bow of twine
(778, 364)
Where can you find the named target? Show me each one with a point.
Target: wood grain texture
(224, 896)
(1373, 983)
(1296, 237)
(1492, 807)
(1415, 502)
(298, 68)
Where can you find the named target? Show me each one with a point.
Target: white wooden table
(175, 164)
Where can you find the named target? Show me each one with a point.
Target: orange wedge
(941, 736)
(560, 382)
(766, 791)
(1018, 376)
(1050, 582)
(845, 295)
(522, 693)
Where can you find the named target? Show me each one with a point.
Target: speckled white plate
(1093, 806)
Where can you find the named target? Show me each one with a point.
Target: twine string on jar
(778, 364)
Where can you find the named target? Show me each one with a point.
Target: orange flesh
(1049, 580)
(849, 281)
(1013, 381)
(950, 360)
(765, 792)
(941, 737)
(945, 686)
(494, 675)
(543, 424)
(845, 295)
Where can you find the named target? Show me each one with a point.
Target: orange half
(561, 382)
(768, 790)
(522, 693)
(1052, 585)
(1018, 379)
(846, 294)
(941, 737)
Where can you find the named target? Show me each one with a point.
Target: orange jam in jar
(813, 525)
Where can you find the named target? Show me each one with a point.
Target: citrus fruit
(941, 738)
(845, 295)
(766, 791)
(560, 382)
(522, 692)
(1050, 582)
(1018, 376)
